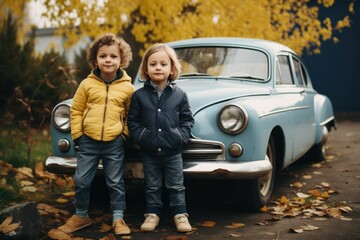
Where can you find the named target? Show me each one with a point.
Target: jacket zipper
(103, 123)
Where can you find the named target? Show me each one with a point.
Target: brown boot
(120, 227)
(75, 223)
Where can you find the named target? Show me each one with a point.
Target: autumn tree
(295, 23)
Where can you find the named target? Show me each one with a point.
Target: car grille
(196, 149)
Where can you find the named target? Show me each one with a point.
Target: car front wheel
(259, 191)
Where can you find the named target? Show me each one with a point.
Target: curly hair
(109, 39)
(175, 64)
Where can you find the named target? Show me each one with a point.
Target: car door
(297, 105)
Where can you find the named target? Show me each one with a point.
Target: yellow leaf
(334, 212)
(62, 200)
(307, 177)
(284, 200)
(69, 194)
(264, 208)
(325, 195)
(208, 224)
(315, 192)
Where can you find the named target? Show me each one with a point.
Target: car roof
(269, 46)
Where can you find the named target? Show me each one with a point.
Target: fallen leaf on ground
(302, 195)
(283, 199)
(307, 177)
(334, 212)
(5, 168)
(208, 224)
(25, 183)
(69, 194)
(264, 209)
(109, 237)
(177, 238)
(345, 218)
(58, 234)
(297, 230)
(309, 227)
(29, 189)
(62, 200)
(297, 185)
(105, 227)
(235, 235)
(315, 192)
(23, 173)
(316, 165)
(8, 227)
(303, 228)
(345, 209)
(325, 184)
(235, 225)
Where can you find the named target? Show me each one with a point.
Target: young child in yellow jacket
(99, 127)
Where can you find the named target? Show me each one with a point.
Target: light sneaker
(75, 223)
(182, 223)
(150, 223)
(120, 227)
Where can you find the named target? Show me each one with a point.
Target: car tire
(259, 191)
(318, 152)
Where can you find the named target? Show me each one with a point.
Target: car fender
(324, 115)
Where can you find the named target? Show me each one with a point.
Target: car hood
(204, 93)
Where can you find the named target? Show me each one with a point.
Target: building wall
(46, 39)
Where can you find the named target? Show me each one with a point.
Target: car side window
(283, 75)
(299, 72)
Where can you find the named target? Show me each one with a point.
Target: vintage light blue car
(255, 112)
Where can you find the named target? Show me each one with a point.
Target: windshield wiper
(248, 76)
(194, 74)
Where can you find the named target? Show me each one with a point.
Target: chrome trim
(203, 149)
(323, 123)
(192, 170)
(282, 110)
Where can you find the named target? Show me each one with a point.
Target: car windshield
(241, 63)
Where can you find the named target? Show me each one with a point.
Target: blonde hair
(109, 39)
(175, 64)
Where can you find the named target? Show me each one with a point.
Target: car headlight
(232, 119)
(61, 117)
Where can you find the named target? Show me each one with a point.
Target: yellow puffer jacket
(100, 109)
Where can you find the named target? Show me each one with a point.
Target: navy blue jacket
(160, 126)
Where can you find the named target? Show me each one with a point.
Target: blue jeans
(169, 168)
(88, 156)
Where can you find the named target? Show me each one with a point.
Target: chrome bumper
(192, 170)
